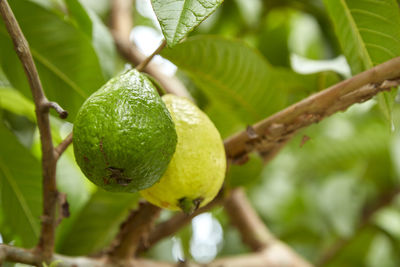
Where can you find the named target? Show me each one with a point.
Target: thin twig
(61, 112)
(272, 132)
(144, 63)
(59, 150)
(369, 211)
(132, 231)
(121, 24)
(50, 194)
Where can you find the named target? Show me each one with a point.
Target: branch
(145, 62)
(60, 149)
(61, 112)
(256, 235)
(121, 24)
(259, 259)
(277, 255)
(270, 134)
(369, 211)
(172, 225)
(132, 231)
(20, 255)
(42, 105)
(243, 216)
(269, 251)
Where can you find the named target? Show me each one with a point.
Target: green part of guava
(123, 135)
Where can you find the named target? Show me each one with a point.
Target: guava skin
(123, 135)
(197, 169)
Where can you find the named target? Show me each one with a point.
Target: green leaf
(231, 73)
(21, 201)
(74, 184)
(3, 79)
(386, 103)
(369, 35)
(78, 13)
(362, 144)
(388, 219)
(367, 30)
(341, 199)
(92, 26)
(226, 123)
(13, 101)
(97, 223)
(247, 174)
(70, 179)
(382, 252)
(178, 17)
(103, 43)
(67, 63)
(237, 77)
(274, 37)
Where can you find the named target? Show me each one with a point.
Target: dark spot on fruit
(85, 159)
(165, 204)
(117, 174)
(123, 181)
(197, 202)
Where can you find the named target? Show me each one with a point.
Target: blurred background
(329, 198)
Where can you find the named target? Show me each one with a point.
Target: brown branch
(144, 63)
(61, 112)
(272, 132)
(121, 24)
(132, 231)
(50, 193)
(20, 255)
(259, 259)
(172, 225)
(59, 150)
(269, 250)
(369, 211)
(255, 234)
(277, 255)
(243, 216)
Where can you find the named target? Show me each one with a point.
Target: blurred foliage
(238, 66)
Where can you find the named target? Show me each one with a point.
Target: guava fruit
(197, 170)
(123, 135)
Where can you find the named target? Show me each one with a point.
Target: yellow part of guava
(197, 169)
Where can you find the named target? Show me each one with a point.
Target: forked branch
(135, 228)
(42, 106)
(270, 134)
(256, 234)
(60, 149)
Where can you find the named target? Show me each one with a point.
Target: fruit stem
(188, 206)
